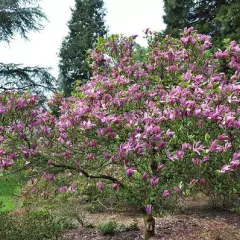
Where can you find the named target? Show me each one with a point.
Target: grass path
(9, 186)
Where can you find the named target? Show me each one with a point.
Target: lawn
(9, 186)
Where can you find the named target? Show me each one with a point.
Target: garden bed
(193, 223)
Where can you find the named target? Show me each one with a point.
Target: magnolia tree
(159, 126)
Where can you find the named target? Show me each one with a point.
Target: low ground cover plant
(32, 225)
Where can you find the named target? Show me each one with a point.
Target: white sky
(123, 16)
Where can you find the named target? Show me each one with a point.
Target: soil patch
(194, 223)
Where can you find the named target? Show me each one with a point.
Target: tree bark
(149, 227)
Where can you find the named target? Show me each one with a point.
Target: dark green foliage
(35, 225)
(19, 16)
(218, 18)
(18, 77)
(176, 15)
(85, 26)
(228, 20)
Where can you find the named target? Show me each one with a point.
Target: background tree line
(218, 18)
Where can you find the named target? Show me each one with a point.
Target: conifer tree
(86, 25)
(21, 17)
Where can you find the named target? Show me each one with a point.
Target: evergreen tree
(228, 20)
(218, 18)
(176, 15)
(21, 17)
(85, 26)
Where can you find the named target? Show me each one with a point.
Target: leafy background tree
(218, 18)
(21, 17)
(86, 25)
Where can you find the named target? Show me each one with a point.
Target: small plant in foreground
(108, 228)
(32, 225)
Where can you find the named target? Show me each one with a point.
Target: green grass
(9, 186)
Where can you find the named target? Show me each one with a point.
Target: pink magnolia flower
(106, 155)
(197, 147)
(2, 139)
(221, 55)
(154, 181)
(166, 193)
(222, 137)
(196, 161)
(148, 209)
(90, 156)
(169, 133)
(234, 163)
(205, 159)
(6, 163)
(178, 155)
(67, 154)
(171, 68)
(130, 171)
(134, 36)
(161, 145)
(226, 168)
(2, 152)
(177, 189)
(185, 146)
(160, 166)
(48, 176)
(34, 190)
(50, 162)
(213, 146)
(62, 189)
(236, 155)
(145, 176)
(194, 181)
(100, 185)
(115, 186)
(187, 31)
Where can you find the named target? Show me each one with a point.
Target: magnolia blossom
(100, 185)
(90, 156)
(148, 209)
(226, 168)
(130, 171)
(160, 166)
(145, 176)
(166, 193)
(154, 181)
(62, 189)
(115, 186)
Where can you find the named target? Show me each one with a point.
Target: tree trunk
(149, 227)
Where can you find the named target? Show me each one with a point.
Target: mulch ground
(193, 223)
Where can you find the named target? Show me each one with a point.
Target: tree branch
(87, 175)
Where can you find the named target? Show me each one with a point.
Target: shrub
(108, 228)
(154, 127)
(34, 225)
